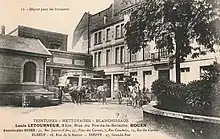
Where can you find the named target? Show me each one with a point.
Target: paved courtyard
(11, 116)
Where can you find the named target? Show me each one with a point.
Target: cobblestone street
(11, 116)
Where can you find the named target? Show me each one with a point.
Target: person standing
(120, 97)
(104, 93)
(74, 92)
(60, 95)
(78, 95)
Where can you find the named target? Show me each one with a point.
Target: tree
(174, 25)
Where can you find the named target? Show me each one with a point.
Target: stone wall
(11, 71)
(27, 98)
(187, 126)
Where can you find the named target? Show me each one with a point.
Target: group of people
(87, 92)
(134, 95)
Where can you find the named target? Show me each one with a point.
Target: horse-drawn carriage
(70, 83)
(84, 88)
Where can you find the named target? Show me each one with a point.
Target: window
(100, 37)
(204, 69)
(133, 57)
(99, 59)
(122, 30)
(117, 32)
(108, 57)
(185, 69)
(108, 35)
(117, 53)
(95, 60)
(164, 74)
(122, 55)
(185, 75)
(147, 54)
(96, 38)
(29, 73)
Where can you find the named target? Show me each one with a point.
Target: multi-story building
(107, 45)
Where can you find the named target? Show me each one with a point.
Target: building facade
(22, 66)
(110, 53)
(62, 61)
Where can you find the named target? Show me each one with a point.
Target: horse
(76, 94)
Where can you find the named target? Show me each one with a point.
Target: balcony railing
(159, 55)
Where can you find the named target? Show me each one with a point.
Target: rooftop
(114, 14)
(35, 29)
(21, 44)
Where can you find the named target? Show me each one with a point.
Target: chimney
(105, 19)
(2, 30)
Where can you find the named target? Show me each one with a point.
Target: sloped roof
(97, 20)
(31, 29)
(21, 44)
(112, 13)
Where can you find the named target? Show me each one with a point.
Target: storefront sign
(61, 60)
(79, 62)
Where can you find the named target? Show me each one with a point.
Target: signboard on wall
(61, 60)
(79, 62)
